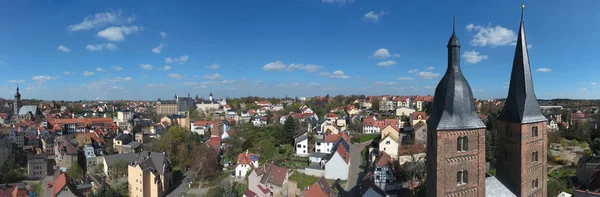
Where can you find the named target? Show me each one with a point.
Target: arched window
(459, 176)
(534, 131)
(465, 143)
(465, 177)
(459, 143)
(533, 157)
(536, 156)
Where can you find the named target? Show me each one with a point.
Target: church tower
(521, 139)
(210, 98)
(456, 135)
(17, 102)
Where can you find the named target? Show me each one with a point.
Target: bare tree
(204, 162)
(413, 168)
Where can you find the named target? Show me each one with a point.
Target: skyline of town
(121, 50)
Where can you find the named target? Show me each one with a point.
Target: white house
(326, 145)
(245, 162)
(259, 121)
(199, 127)
(384, 172)
(389, 144)
(403, 111)
(338, 165)
(302, 145)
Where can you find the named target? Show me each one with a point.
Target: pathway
(355, 161)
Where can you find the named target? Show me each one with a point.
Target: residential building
(320, 188)
(207, 107)
(326, 144)
(389, 144)
(200, 127)
(17, 137)
(116, 161)
(259, 121)
(371, 125)
(268, 180)
(175, 119)
(404, 111)
(120, 140)
(37, 166)
(65, 154)
(48, 144)
(338, 162)
(586, 167)
(150, 175)
(384, 172)
(91, 161)
(63, 187)
(245, 162)
(417, 117)
(552, 125)
(301, 147)
(81, 125)
(419, 133)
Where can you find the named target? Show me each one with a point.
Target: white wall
(336, 168)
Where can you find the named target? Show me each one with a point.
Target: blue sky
(71, 50)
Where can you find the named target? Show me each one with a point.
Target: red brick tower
(521, 139)
(456, 137)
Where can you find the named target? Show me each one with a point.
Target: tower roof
(453, 106)
(521, 104)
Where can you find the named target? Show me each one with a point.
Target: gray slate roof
(521, 104)
(111, 160)
(28, 108)
(156, 161)
(493, 187)
(301, 138)
(453, 106)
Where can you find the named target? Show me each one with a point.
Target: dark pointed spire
(521, 104)
(453, 106)
(17, 94)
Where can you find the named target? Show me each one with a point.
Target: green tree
(228, 190)
(105, 190)
(375, 104)
(490, 139)
(75, 171)
(596, 145)
(287, 135)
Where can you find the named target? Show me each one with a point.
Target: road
(355, 161)
(47, 192)
(181, 186)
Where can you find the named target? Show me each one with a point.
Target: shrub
(585, 145)
(587, 152)
(564, 142)
(574, 142)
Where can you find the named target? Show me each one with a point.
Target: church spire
(453, 106)
(521, 104)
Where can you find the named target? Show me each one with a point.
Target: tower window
(534, 156)
(462, 177)
(534, 131)
(462, 143)
(508, 131)
(534, 184)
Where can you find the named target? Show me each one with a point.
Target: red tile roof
(411, 149)
(201, 123)
(275, 175)
(333, 138)
(245, 157)
(416, 115)
(59, 183)
(215, 143)
(384, 160)
(96, 137)
(320, 188)
(343, 152)
(249, 193)
(20, 192)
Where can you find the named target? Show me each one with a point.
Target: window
(534, 131)
(508, 131)
(378, 169)
(462, 177)
(534, 156)
(534, 184)
(299, 146)
(388, 142)
(462, 143)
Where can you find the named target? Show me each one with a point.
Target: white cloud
(117, 34)
(384, 83)
(146, 66)
(382, 53)
(16, 81)
(474, 57)
(545, 70)
(593, 83)
(338, 74)
(117, 68)
(163, 35)
(583, 89)
(175, 76)
(100, 47)
(100, 69)
(69, 73)
(308, 68)
(386, 63)
(337, 1)
(88, 73)
(405, 78)
(155, 85)
(274, 66)
(100, 20)
(428, 75)
(182, 59)
(159, 48)
(430, 68)
(373, 16)
(167, 68)
(491, 35)
(214, 66)
(215, 76)
(127, 79)
(314, 84)
(413, 70)
(43, 78)
(63, 49)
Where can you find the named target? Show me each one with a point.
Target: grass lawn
(303, 180)
(564, 172)
(217, 180)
